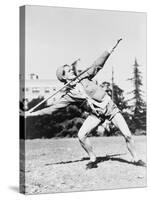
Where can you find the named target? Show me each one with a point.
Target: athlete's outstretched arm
(49, 110)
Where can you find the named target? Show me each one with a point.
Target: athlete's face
(68, 73)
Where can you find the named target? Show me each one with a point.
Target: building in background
(33, 88)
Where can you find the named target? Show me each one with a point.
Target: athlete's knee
(128, 137)
(82, 136)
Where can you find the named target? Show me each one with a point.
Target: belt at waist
(103, 102)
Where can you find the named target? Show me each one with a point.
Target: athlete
(85, 90)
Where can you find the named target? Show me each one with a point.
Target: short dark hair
(63, 72)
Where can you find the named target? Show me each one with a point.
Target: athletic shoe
(140, 163)
(91, 165)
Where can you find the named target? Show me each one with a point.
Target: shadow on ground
(99, 160)
(14, 188)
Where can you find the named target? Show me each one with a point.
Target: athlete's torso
(93, 90)
(89, 88)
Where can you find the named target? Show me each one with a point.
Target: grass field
(59, 165)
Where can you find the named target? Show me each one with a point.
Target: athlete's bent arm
(96, 66)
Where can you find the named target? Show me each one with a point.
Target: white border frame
(9, 77)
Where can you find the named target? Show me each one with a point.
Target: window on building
(54, 89)
(47, 90)
(27, 89)
(35, 90)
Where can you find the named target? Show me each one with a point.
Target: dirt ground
(59, 165)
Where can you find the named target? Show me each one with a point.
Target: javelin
(31, 110)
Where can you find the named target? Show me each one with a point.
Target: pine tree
(139, 107)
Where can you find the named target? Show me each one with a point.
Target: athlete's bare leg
(89, 124)
(121, 124)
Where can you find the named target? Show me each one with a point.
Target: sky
(57, 36)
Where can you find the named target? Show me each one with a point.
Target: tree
(35, 101)
(138, 106)
(64, 122)
(116, 95)
(115, 92)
